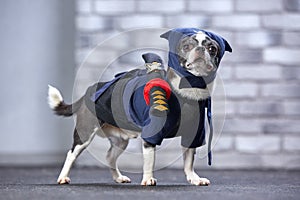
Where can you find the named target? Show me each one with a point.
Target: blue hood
(190, 80)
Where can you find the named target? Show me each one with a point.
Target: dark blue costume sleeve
(156, 94)
(153, 131)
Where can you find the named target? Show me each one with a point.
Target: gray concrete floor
(95, 183)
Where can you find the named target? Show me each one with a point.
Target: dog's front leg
(191, 176)
(149, 160)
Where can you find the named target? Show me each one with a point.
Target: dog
(152, 103)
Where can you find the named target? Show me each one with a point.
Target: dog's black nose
(200, 49)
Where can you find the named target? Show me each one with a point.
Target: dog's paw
(123, 179)
(196, 180)
(64, 180)
(149, 182)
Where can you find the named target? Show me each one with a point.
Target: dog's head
(198, 54)
(195, 52)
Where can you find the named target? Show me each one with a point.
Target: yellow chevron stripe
(161, 108)
(157, 92)
(159, 97)
(160, 102)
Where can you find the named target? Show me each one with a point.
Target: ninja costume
(142, 100)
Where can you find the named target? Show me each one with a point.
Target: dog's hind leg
(118, 145)
(78, 147)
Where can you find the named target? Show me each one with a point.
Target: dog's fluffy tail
(57, 104)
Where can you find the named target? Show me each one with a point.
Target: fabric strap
(209, 118)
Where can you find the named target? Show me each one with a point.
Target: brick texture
(259, 6)
(292, 5)
(258, 39)
(242, 126)
(279, 21)
(291, 38)
(237, 22)
(259, 72)
(291, 143)
(93, 23)
(284, 90)
(291, 73)
(246, 55)
(134, 21)
(262, 108)
(241, 90)
(261, 77)
(84, 6)
(114, 7)
(148, 6)
(291, 108)
(211, 6)
(257, 144)
(187, 20)
(282, 55)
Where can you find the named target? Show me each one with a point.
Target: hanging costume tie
(189, 80)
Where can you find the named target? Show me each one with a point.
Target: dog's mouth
(200, 67)
(199, 60)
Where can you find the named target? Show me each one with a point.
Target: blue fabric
(152, 57)
(174, 36)
(99, 92)
(155, 128)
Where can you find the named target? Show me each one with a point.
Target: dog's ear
(227, 46)
(165, 35)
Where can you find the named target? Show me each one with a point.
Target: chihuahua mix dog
(153, 103)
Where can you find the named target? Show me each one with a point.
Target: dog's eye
(186, 47)
(212, 50)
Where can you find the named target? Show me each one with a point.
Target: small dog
(153, 103)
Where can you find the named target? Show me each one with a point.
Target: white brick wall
(282, 55)
(92, 23)
(283, 90)
(210, 6)
(259, 6)
(114, 7)
(291, 38)
(258, 39)
(242, 126)
(84, 6)
(134, 21)
(150, 6)
(281, 125)
(261, 77)
(258, 72)
(258, 144)
(237, 22)
(291, 107)
(292, 5)
(291, 72)
(245, 55)
(187, 20)
(291, 143)
(224, 143)
(279, 21)
(260, 108)
(241, 90)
